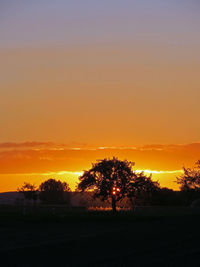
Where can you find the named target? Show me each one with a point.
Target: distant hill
(13, 198)
(10, 197)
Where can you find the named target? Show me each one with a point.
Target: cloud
(25, 144)
(74, 173)
(38, 146)
(42, 157)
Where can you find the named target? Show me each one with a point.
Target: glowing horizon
(71, 177)
(37, 161)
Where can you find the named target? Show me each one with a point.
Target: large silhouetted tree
(114, 179)
(53, 191)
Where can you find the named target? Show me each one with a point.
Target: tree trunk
(132, 203)
(114, 204)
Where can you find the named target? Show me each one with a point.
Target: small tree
(29, 191)
(113, 179)
(189, 182)
(143, 189)
(190, 179)
(53, 191)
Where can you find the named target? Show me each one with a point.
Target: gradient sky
(95, 74)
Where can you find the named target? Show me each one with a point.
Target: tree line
(114, 180)
(50, 191)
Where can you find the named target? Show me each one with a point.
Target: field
(149, 237)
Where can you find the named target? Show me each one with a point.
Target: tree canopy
(53, 191)
(29, 191)
(190, 179)
(143, 189)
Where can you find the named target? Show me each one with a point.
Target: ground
(149, 237)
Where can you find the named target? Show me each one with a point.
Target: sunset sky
(84, 80)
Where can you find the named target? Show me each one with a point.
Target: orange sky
(90, 74)
(36, 161)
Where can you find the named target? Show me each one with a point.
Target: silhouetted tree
(53, 191)
(143, 189)
(189, 182)
(190, 179)
(114, 179)
(29, 191)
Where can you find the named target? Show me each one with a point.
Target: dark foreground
(167, 237)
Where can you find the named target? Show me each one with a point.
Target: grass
(169, 237)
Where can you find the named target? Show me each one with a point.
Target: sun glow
(13, 181)
(160, 172)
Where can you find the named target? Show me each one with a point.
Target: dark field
(149, 237)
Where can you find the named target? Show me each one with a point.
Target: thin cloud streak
(50, 173)
(160, 172)
(39, 146)
(25, 144)
(79, 173)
